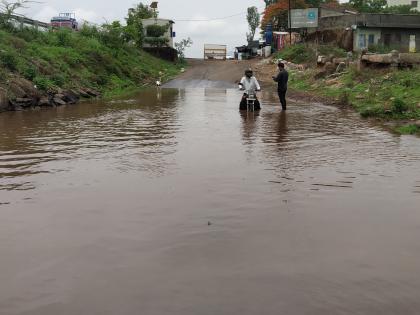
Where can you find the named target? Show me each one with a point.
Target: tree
(8, 9)
(400, 9)
(369, 6)
(134, 29)
(253, 18)
(269, 2)
(181, 46)
(277, 14)
(112, 34)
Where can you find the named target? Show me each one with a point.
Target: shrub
(8, 60)
(399, 106)
(29, 72)
(63, 37)
(58, 79)
(43, 83)
(372, 111)
(408, 129)
(156, 30)
(298, 54)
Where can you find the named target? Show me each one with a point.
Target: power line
(214, 19)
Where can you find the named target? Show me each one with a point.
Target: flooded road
(173, 202)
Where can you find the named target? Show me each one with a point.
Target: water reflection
(143, 128)
(314, 207)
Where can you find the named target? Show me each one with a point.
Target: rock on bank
(19, 94)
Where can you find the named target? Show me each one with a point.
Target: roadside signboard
(304, 18)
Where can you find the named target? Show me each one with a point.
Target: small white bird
(158, 83)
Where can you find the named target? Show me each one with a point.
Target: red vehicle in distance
(65, 20)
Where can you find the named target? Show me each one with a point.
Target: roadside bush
(297, 54)
(399, 106)
(331, 50)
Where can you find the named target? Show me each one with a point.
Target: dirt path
(212, 74)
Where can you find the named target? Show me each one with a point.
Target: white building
(170, 34)
(415, 4)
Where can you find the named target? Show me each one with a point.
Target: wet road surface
(173, 202)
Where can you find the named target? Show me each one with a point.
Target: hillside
(64, 65)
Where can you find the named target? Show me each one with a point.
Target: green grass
(408, 130)
(303, 53)
(68, 59)
(384, 94)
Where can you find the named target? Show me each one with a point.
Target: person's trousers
(282, 96)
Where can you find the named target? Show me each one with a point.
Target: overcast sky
(231, 32)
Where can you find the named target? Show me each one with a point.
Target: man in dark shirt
(282, 78)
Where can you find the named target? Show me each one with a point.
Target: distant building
(396, 31)
(169, 34)
(415, 4)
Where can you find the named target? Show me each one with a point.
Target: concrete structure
(396, 31)
(169, 34)
(415, 4)
(21, 21)
(212, 51)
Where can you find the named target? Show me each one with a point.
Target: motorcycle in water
(249, 101)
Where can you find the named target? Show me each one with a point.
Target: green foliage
(408, 129)
(63, 37)
(155, 30)
(181, 46)
(380, 6)
(112, 34)
(253, 18)
(92, 58)
(29, 72)
(43, 83)
(8, 60)
(368, 6)
(155, 35)
(302, 53)
(331, 50)
(379, 49)
(157, 41)
(400, 9)
(134, 29)
(399, 106)
(298, 54)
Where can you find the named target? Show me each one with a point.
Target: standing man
(282, 78)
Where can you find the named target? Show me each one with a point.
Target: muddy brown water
(172, 202)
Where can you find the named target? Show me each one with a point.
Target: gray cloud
(231, 32)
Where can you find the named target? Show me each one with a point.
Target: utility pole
(290, 22)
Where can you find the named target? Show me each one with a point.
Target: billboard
(304, 18)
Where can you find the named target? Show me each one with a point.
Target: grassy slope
(70, 60)
(384, 94)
